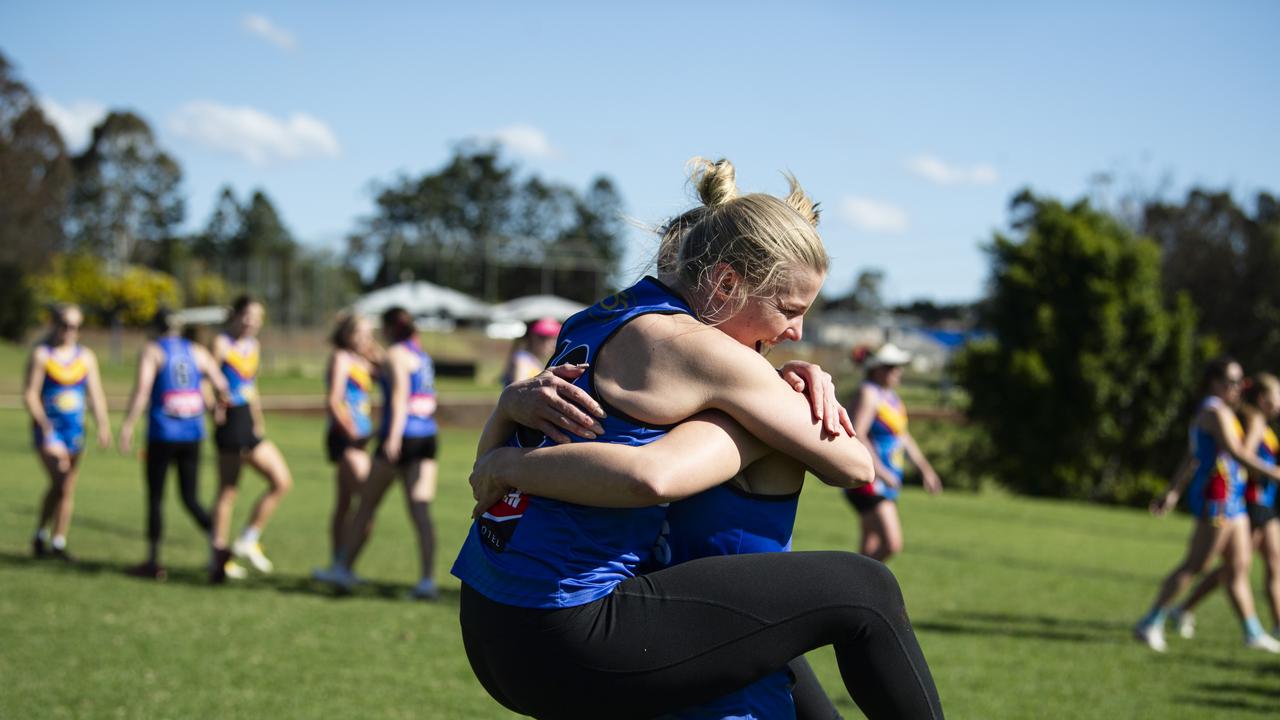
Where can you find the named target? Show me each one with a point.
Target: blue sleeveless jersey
(727, 520)
(421, 420)
(1262, 489)
(240, 366)
(177, 405)
(355, 398)
(63, 394)
(534, 552)
(1217, 489)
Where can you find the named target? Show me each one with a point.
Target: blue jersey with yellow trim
(1262, 489)
(355, 398)
(63, 395)
(1217, 489)
(421, 419)
(534, 552)
(886, 438)
(177, 405)
(240, 365)
(727, 520)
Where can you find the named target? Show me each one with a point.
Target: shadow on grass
(197, 577)
(1028, 627)
(1233, 704)
(1073, 570)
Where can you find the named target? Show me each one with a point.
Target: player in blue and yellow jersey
(1259, 406)
(170, 386)
(529, 354)
(62, 379)
(556, 620)
(349, 381)
(1216, 499)
(406, 448)
(880, 419)
(239, 437)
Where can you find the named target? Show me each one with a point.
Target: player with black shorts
(239, 438)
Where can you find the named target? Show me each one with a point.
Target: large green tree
(1228, 261)
(478, 226)
(126, 204)
(1081, 385)
(35, 178)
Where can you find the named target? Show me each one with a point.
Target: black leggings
(187, 457)
(694, 632)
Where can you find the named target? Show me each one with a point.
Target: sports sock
(1155, 616)
(250, 535)
(1252, 628)
(59, 542)
(42, 535)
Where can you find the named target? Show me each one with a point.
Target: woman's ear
(725, 283)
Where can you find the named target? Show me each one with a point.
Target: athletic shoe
(148, 571)
(425, 590)
(1152, 635)
(1263, 642)
(63, 555)
(234, 570)
(252, 553)
(336, 575)
(38, 548)
(1185, 622)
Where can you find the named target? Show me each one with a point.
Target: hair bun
(715, 180)
(797, 199)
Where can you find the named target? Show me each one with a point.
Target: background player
(239, 437)
(62, 375)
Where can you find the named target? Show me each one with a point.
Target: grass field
(1022, 608)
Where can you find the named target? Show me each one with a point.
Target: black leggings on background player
(186, 455)
(739, 618)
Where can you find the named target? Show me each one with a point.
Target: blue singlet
(534, 552)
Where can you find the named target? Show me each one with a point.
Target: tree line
(103, 228)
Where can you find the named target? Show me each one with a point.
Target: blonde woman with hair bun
(635, 570)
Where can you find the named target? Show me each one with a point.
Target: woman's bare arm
(698, 454)
(31, 394)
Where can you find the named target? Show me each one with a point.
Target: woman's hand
(104, 437)
(1164, 503)
(932, 483)
(488, 483)
(815, 382)
(551, 403)
(126, 438)
(391, 448)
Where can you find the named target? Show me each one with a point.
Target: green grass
(1022, 607)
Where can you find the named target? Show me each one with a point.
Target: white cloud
(933, 169)
(75, 121)
(874, 215)
(524, 140)
(252, 134)
(269, 31)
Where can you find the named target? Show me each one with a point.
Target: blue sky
(912, 122)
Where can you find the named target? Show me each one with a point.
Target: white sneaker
(252, 553)
(1263, 642)
(1185, 622)
(336, 575)
(425, 590)
(234, 570)
(1152, 635)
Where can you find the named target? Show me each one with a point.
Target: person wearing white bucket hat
(880, 420)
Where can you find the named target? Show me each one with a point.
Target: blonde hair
(761, 237)
(1254, 388)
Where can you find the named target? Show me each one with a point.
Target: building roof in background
(536, 307)
(424, 299)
